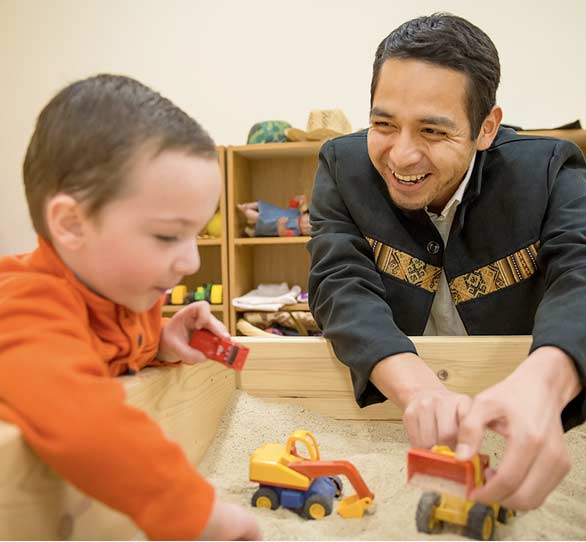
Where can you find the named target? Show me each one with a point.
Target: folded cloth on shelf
(301, 321)
(267, 297)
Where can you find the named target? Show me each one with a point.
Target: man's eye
(167, 238)
(380, 124)
(434, 132)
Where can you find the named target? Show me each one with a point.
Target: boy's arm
(56, 389)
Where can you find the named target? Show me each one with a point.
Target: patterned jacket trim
(405, 267)
(495, 276)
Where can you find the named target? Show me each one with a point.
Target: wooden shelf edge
(216, 242)
(277, 150)
(256, 241)
(175, 308)
(284, 308)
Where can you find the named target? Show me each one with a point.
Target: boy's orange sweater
(59, 345)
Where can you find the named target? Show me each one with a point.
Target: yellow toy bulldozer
(435, 508)
(305, 484)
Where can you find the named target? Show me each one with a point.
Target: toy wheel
(425, 516)
(505, 514)
(480, 523)
(339, 486)
(265, 497)
(317, 507)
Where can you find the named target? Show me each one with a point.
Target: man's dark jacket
(515, 258)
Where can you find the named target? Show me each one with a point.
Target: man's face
(144, 242)
(419, 136)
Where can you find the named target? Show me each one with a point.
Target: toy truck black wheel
(505, 514)
(425, 516)
(317, 507)
(265, 497)
(339, 486)
(480, 524)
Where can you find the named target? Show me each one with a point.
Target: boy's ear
(65, 220)
(489, 128)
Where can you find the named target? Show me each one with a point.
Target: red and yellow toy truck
(305, 484)
(435, 508)
(230, 353)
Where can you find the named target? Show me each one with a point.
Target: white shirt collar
(456, 199)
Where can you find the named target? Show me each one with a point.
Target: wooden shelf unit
(273, 172)
(214, 259)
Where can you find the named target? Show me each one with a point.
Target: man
(438, 221)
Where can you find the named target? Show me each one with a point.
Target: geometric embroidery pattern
(495, 276)
(405, 267)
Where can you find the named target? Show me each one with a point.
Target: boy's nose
(188, 261)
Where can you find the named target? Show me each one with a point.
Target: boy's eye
(167, 238)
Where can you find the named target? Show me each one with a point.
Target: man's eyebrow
(435, 120)
(378, 112)
(439, 121)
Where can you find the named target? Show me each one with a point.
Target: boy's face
(144, 242)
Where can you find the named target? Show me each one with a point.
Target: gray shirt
(444, 318)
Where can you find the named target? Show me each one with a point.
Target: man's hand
(230, 522)
(433, 417)
(525, 408)
(174, 342)
(431, 413)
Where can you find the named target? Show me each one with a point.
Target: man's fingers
(472, 426)
(518, 460)
(411, 424)
(449, 417)
(420, 421)
(447, 426)
(550, 465)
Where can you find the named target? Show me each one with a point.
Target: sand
(378, 450)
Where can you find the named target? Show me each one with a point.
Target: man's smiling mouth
(409, 179)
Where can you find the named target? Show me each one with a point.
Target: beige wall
(230, 64)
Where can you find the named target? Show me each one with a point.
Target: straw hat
(322, 124)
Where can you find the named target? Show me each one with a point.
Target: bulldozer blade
(437, 472)
(353, 506)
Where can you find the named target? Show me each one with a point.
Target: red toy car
(231, 354)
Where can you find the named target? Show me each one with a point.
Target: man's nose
(405, 152)
(187, 261)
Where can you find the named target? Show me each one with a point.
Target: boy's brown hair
(87, 135)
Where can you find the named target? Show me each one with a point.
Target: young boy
(119, 181)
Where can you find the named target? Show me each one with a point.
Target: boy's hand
(230, 522)
(525, 408)
(174, 342)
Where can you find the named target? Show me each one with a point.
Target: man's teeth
(409, 178)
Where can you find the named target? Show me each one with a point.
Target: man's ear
(65, 220)
(489, 128)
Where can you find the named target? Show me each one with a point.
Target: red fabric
(59, 345)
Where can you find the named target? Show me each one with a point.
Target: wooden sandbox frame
(188, 402)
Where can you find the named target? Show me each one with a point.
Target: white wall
(230, 64)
